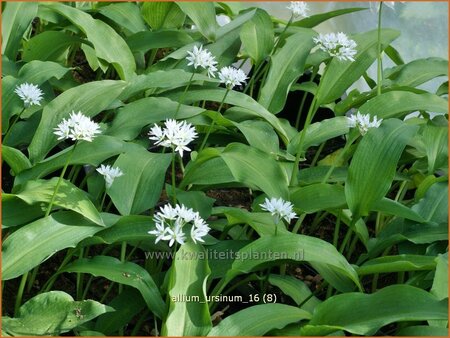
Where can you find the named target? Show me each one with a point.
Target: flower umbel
(110, 173)
(29, 93)
(171, 221)
(279, 208)
(77, 127)
(338, 45)
(363, 122)
(175, 135)
(200, 57)
(232, 77)
(299, 8)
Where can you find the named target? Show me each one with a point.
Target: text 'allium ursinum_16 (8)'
(279, 208)
(299, 9)
(30, 94)
(77, 127)
(201, 57)
(171, 224)
(337, 45)
(175, 135)
(363, 122)
(109, 173)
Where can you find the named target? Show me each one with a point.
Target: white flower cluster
(200, 57)
(299, 8)
(77, 127)
(175, 135)
(170, 222)
(338, 45)
(279, 208)
(30, 94)
(363, 122)
(110, 173)
(232, 77)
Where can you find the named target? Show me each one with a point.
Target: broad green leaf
(397, 263)
(52, 313)
(187, 278)
(296, 289)
(49, 46)
(136, 115)
(93, 153)
(159, 14)
(417, 72)
(258, 320)
(212, 172)
(260, 135)
(286, 66)
(388, 206)
(109, 46)
(17, 212)
(340, 75)
(435, 139)
(394, 55)
(130, 193)
(440, 282)
(16, 18)
(257, 36)
(316, 19)
(203, 15)
(374, 164)
(127, 15)
(422, 330)
(90, 98)
(400, 103)
(16, 160)
(399, 303)
(322, 256)
(126, 273)
(32, 244)
(68, 197)
(321, 196)
(195, 94)
(255, 169)
(144, 41)
(197, 200)
(221, 262)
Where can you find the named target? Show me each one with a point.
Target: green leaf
(17, 17)
(321, 196)
(52, 313)
(422, 330)
(109, 46)
(440, 282)
(397, 263)
(68, 196)
(90, 98)
(435, 139)
(142, 169)
(257, 36)
(417, 72)
(126, 273)
(258, 320)
(187, 278)
(16, 160)
(399, 303)
(203, 15)
(400, 103)
(374, 164)
(388, 206)
(253, 168)
(286, 66)
(260, 135)
(126, 15)
(32, 244)
(144, 41)
(159, 14)
(17, 212)
(340, 75)
(322, 256)
(317, 19)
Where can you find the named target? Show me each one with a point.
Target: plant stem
(103, 201)
(174, 184)
(300, 109)
(183, 95)
(298, 223)
(123, 255)
(23, 281)
(48, 285)
(50, 205)
(8, 132)
(213, 122)
(80, 277)
(379, 64)
(311, 112)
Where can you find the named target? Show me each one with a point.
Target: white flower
(363, 122)
(175, 135)
(110, 173)
(232, 77)
(200, 57)
(30, 94)
(338, 45)
(279, 209)
(299, 8)
(77, 127)
(170, 222)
